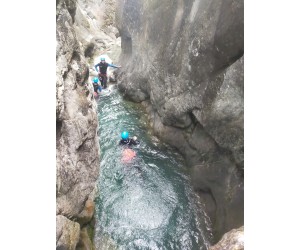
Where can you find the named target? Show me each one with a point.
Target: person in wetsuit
(102, 73)
(128, 141)
(128, 154)
(96, 86)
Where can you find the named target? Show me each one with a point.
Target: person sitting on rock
(102, 73)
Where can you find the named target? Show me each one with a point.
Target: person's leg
(101, 79)
(105, 82)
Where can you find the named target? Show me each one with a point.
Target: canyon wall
(183, 60)
(83, 29)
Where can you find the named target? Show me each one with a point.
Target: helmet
(125, 135)
(134, 138)
(95, 79)
(102, 59)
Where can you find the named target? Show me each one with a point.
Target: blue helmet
(102, 59)
(95, 79)
(125, 135)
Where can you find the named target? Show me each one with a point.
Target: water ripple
(147, 203)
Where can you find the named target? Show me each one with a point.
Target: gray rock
(233, 240)
(223, 118)
(67, 233)
(77, 144)
(85, 241)
(94, 25)
(185, 59)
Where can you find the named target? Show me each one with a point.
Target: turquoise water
(147, 203)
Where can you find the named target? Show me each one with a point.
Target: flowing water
(147, 203)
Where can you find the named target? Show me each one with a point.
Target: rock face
(67, 233)
(77, 143)
(84, 29)
(233, 240)
(94, 23)
(184, 61)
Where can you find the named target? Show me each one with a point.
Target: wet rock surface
(233, 240)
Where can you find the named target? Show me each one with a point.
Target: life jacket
(103, 67)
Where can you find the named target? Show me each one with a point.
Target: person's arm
(136, 142)
(133, 142)
(112, 65)
(96, 66)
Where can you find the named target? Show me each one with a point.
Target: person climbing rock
(102, 73)
(96, 86)
(128, 141)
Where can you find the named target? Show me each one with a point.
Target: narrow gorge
(183, 66)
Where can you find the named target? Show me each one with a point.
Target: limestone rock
(94, 23)
(185, 59)
(87, 213)
(67, 233)
(85, 241)
(233, 240)
(77, 144)
(223, 118)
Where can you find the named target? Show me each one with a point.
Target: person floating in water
(128, 154)
(102, 73)
(128, 141)
(96, 86)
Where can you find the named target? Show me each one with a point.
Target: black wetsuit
(129, 142)
(103, 72)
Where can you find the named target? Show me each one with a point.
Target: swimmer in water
(125, 140)
(128, 154)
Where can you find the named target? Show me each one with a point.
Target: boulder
(233, 240)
